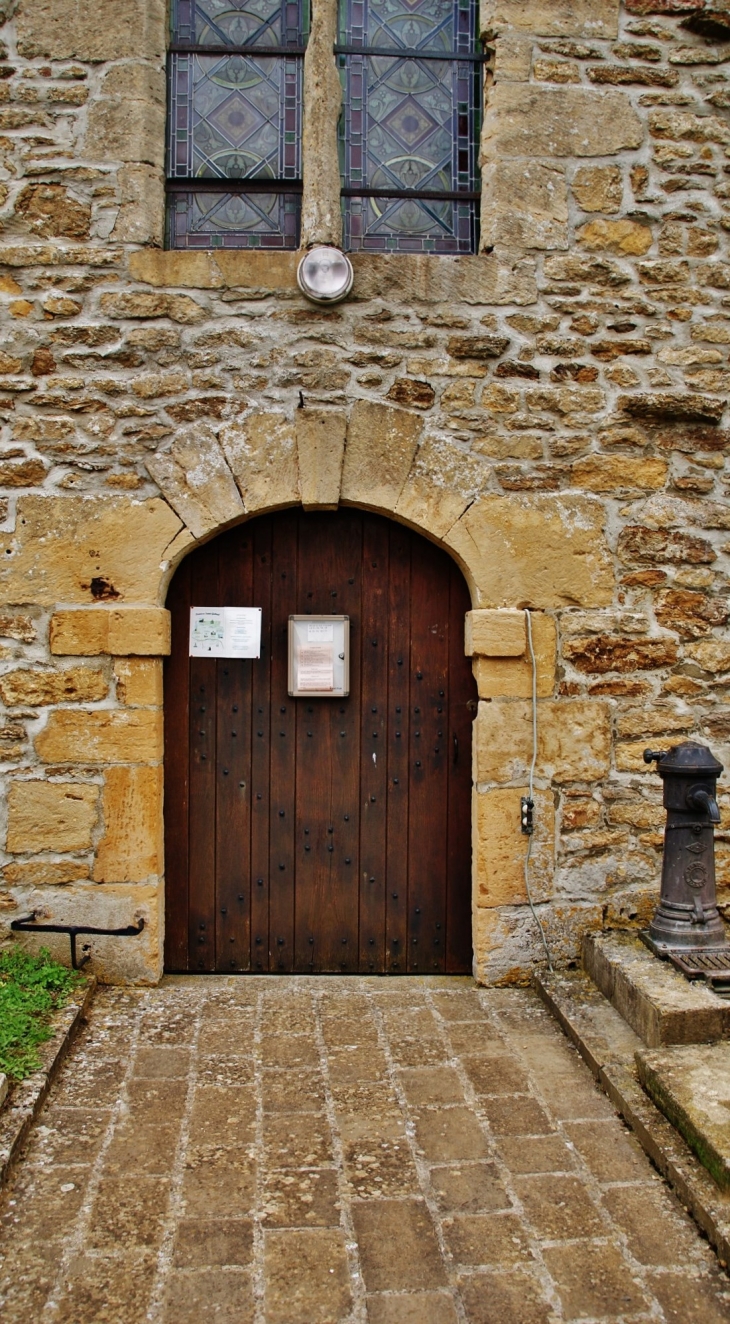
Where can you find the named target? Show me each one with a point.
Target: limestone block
(70, 30)
(40, 873)
(321, 449)
(54, 816)
(36, 686)
(101, 736)
(711, 654)
(194, 477)
(121, 631)
(261, 450)
(598, 188)
(604, 652)
(245, 269)
(552, 18)
(415, 277)
(442, 482)
(511, 677)
(574, 740)
(623, 237)
(610, 473)
(500, 847)
(630, 754)
(539, 551)
(48, 209)
(663, 719)
(178, 307)
(524, 119)
(198, 271)
(512, 58)
(81, 549)
(139, 681)
(130, 851)
(495, 633)
(141, 218)
(381, 444)
(525, 204)
(127, 121)
(134, 960)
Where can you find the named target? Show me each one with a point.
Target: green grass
(31, 988)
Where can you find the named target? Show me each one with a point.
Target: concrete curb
(604, 1042)
(22, 1105)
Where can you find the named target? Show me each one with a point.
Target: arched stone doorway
(321, 834)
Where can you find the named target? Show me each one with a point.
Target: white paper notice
(316, 666)
(320, 632)
(225, 631)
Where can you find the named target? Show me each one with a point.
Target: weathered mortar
(552, 410)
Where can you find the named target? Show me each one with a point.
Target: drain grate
(713, 967)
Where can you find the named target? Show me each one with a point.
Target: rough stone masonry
(551, 410)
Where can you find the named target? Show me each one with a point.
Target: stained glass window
(234, 125)
(409, 132)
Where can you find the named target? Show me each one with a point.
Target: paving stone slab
(657, 1002)
(691, 1085)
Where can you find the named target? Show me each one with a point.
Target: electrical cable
(535, 915)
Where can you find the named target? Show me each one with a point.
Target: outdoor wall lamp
(325, 275)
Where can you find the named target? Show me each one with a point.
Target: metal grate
(713, 967)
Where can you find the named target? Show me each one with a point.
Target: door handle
(456, 748)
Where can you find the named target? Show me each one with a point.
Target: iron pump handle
(698, 797)
(654, 755)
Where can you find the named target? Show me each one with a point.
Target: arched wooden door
(321, 834)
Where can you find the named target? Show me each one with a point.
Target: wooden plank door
(319, 835)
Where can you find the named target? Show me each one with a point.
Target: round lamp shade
(325, 274)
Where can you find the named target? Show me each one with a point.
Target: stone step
(612, 1051)
(659, 1004)
(691, 1085)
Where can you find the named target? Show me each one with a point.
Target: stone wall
(551, 410)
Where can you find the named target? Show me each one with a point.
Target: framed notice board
(319, 656)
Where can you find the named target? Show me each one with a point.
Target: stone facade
(549, 410)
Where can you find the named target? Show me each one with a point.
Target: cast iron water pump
(687, 927)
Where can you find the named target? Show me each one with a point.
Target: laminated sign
(319, 656)
(225, 631)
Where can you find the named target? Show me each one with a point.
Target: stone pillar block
(120, 631)
(511, 677)
(500, 847)
(139, 681)
(574, 740)
(494, 633)
(130, 850)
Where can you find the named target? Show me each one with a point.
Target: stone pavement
(322, 1150)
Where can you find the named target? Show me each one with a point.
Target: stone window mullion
(321, 209)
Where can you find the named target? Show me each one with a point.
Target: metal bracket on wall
(27, 925)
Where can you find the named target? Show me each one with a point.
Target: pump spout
(699, 798)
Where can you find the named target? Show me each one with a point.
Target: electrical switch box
(319, 656)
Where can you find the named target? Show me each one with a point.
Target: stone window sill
(430, 278)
